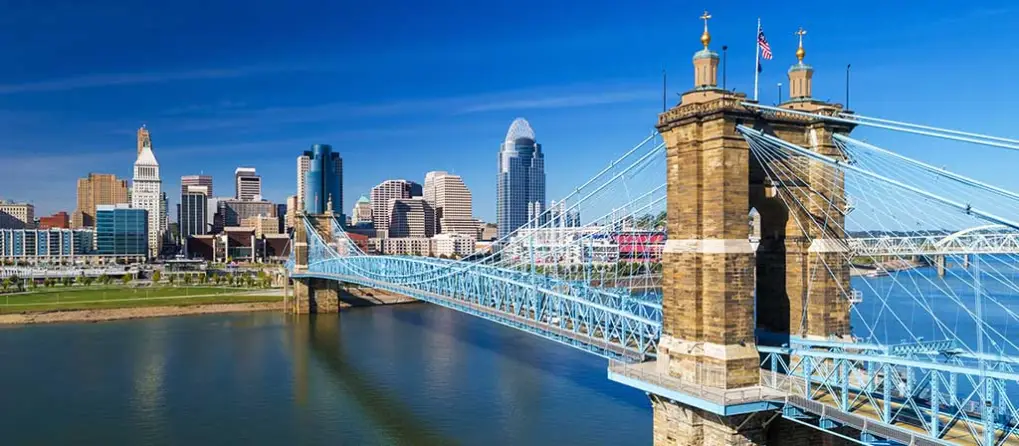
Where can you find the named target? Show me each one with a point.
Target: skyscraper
(248, 183)
(291, 214)
(303, 164)
(146, 194)
(521, 180)
(143, 139)
(194, 204)
(381, 196)
(323, 181)
(451, 200)
(196, 180)
(95, 190)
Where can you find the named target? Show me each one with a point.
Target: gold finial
(800, 52)
(706, 37)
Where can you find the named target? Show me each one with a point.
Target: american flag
(763, 43)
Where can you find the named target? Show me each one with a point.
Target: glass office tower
(521, 180)
(121, 230)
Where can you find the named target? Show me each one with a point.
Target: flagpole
(757, 57)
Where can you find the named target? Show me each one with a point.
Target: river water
(408, 374)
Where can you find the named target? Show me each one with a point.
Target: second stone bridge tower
(711, 270)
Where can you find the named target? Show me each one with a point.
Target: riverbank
(106, 304)
(889, 266)
(110, 314)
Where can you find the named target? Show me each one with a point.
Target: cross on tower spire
(800, 52)
(706, 37)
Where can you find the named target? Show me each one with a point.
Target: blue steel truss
(610, 324)
(926, 386)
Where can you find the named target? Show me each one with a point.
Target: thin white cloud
(567, 101)
(520, 100)
(117, 79)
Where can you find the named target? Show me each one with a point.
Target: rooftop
(520, 129)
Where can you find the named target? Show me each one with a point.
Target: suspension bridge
(749, 343)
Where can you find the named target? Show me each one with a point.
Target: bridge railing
(649, 372)
(916, 389)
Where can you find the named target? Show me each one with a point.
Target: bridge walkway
(862, 416)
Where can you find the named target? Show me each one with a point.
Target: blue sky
(401, 88)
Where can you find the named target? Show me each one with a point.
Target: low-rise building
(17, 215)
(442, 245)
(404, 246)
(452, 245)
(562, 246)
(60, 220)
(34, 246)
(487, 231)
(239, 244)
(640, 246)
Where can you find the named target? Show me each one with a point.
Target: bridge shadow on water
(386, 410)
(580, 368)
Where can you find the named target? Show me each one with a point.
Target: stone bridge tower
(710, 269)
(311, 294)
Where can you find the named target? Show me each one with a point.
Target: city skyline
(223, 103)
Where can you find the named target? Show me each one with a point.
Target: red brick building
(60, 220)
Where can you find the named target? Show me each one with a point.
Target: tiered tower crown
(705, 61)
(800, 74)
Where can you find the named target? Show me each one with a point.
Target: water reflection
(413, 374)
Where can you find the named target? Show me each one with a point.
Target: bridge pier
(676, 424)
(315, 296)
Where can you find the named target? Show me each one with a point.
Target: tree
(34, 284)
(67, 281)
(87, 281)
(187, 279)
(5, 284)
(126, 279)
(156, 276)
(47, 282)
(202, 278)
(172, 278)
(230, 278)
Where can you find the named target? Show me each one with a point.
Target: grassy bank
(119, 297)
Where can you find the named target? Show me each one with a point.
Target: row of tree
(16, 283)
(261, 279)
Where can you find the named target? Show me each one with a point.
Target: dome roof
(363, 199)
(520, 129)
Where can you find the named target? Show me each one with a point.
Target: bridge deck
(863, 416)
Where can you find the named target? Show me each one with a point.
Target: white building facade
(146, 193)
